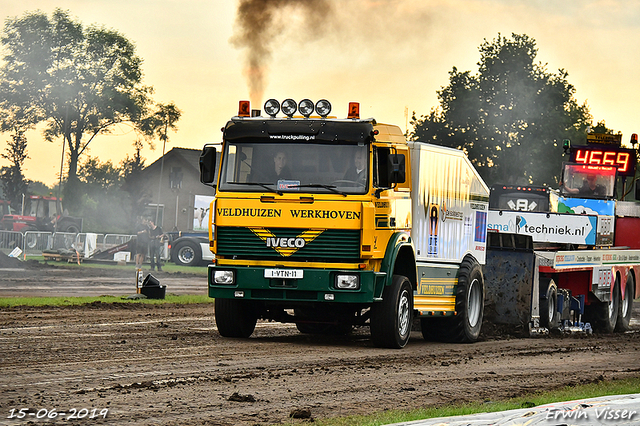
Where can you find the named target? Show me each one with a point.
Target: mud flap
(511, 282)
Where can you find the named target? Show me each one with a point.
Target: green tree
(138, 195)
(158, 124)
(510, 118)
(14, 183)
(80, 80)
(100, 177)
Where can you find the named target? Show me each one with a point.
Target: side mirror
(208, 165)
(396, 170)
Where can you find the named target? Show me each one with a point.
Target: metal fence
(9, 240)
(33, 243)
(36, 242)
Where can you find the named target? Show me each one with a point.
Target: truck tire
(391, 318)
(466, 325)
(549, 315)
(604, 315)
(626, 306)
(235, 318)
(187, 253)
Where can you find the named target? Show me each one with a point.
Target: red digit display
(621, 158)
(595, 157)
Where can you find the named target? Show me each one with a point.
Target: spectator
(155, 248)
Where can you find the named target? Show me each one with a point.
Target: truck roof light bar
(306, 108)
(289, 107)
(244, 109)
(354, 110)
(272, 107)
(323, 108)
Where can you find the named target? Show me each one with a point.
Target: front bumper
(316, 285)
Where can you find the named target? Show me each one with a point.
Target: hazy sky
(390, 56)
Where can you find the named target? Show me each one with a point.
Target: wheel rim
(473, 303)
(403, 314)
(626, 302)
(185, 255)
(551, 307)
(613, 306)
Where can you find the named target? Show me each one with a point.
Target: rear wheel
(626, 306)
(466, 325)
(187, 253)
(604, 315)
(391, 319)
(235, 318)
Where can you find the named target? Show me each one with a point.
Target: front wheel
(235, 318)
(626, 306)
(391, 319)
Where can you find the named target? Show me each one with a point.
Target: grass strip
(569, 393)
(8, 302)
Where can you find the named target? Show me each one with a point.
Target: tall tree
(80, 80)
(510, 118)
(14, 183)
(138, 195)
(158, 124)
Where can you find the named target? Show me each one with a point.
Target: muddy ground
(167, 365)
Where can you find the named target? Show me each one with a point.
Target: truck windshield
(295, 167)
(585, 181)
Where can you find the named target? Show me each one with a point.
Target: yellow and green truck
(336, 223)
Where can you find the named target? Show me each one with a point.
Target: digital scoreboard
(624, 159)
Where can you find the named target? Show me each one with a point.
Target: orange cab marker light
(354, 110)
(243, 109)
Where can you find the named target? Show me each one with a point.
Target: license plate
(288, 274)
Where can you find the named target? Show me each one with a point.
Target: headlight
(305, 107)
(223, 277)
(347, 282)
(289, 107)
(272, 107)
(323, 108)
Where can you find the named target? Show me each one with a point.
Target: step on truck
(568, 260)
(335, 223)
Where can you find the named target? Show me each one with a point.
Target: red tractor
(5, 208)
(44, 214)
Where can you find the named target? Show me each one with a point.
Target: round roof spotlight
(272, 107)
(289, 107)
(323, 108)
(305, 107)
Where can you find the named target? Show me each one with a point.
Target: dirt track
(167, 365)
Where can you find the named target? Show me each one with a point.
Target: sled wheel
(391, 319)
(235, 318)
(604, 315)
(626, 305)
(549, 315)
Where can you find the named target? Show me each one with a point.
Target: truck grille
(332, 245)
